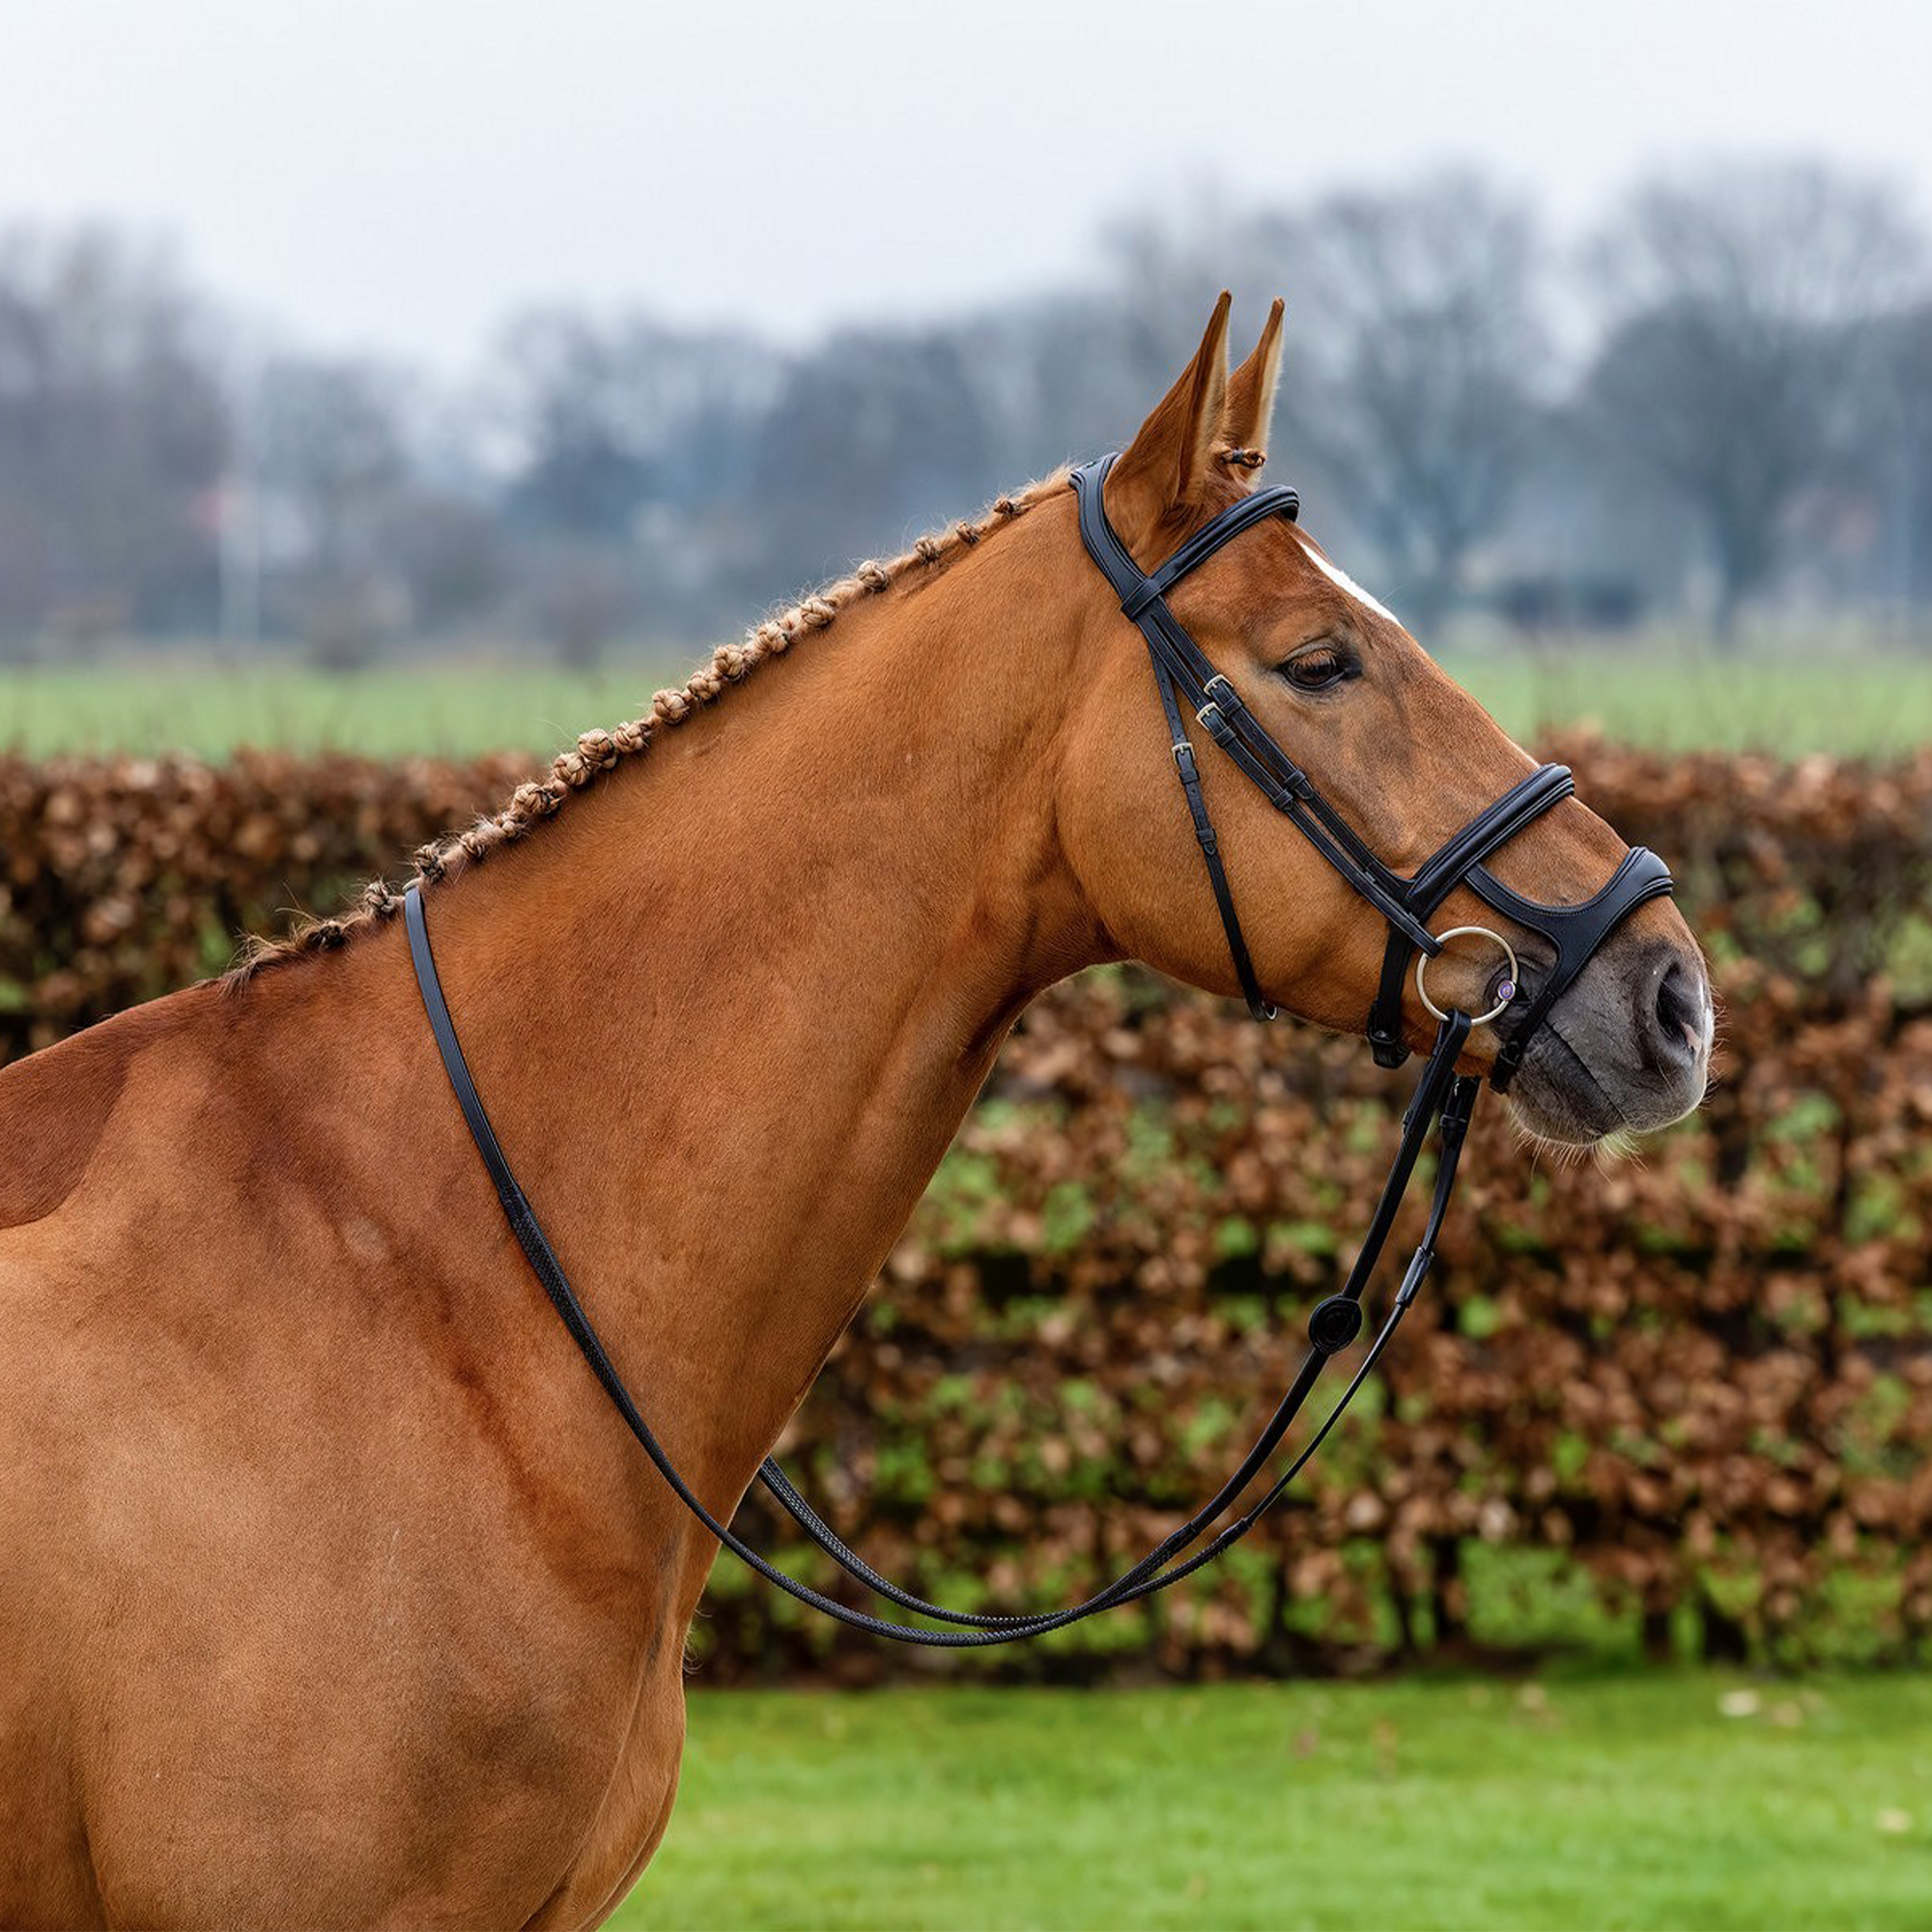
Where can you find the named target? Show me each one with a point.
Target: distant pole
(240, 554)
(240, 547)
(1908, 532)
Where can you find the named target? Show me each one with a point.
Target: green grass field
(1677, 1799)
(1845, 701)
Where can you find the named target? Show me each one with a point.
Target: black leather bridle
(1180, 670)
(1444, 1098)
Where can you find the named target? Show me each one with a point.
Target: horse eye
(1318, 669)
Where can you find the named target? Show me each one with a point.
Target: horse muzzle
(1626, 1048)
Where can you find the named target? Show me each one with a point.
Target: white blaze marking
(1342, 580)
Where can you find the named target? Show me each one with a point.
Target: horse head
(1422, 814)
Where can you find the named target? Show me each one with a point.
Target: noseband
(1444, 1099)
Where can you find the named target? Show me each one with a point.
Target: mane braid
(598, 751)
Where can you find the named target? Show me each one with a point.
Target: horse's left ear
(1158, 480)
(1244, 424)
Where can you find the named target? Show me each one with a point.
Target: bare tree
(629, 443)
(874, 436)
(1064, 377)
(332, 461)
(1418, 363)
(583, 440)
(1902, 445)
(1067, 375)
(1740, 305)
(112, 438)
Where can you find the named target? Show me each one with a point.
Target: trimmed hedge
(1684, 1399)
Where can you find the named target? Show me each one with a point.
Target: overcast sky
(397, 174)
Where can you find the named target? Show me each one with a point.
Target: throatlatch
(1444, 1099)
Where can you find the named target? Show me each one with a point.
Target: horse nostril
(1680, 1012)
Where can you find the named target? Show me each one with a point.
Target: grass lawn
(1844, 701)
(1671, 1800)
(385, 713)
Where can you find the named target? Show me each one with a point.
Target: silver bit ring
(1505, 992)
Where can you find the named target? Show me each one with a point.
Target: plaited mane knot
(599, 749)
(535, 801)
(381, 898)
(872, 574)
(427, 860)
(673, 706)
(927, 549)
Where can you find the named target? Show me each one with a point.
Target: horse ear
(1244, 428)
(1162, 471)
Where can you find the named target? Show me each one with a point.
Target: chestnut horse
(333, 1590)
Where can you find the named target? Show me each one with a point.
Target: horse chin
(1560, 1102)
(1555, 1131)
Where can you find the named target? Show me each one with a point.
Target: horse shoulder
(55, 1104)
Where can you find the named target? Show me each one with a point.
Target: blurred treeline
(1717, 403)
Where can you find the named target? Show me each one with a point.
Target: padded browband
(1278, 501)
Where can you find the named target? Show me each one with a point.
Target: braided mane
(599, 752)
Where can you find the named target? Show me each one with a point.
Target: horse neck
(729, 1009)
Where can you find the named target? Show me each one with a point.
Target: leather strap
(1260, 1007)
(1575, 932)
(1439, 875)
(1218, 706)
(1252, 509)
(1440, 1092)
